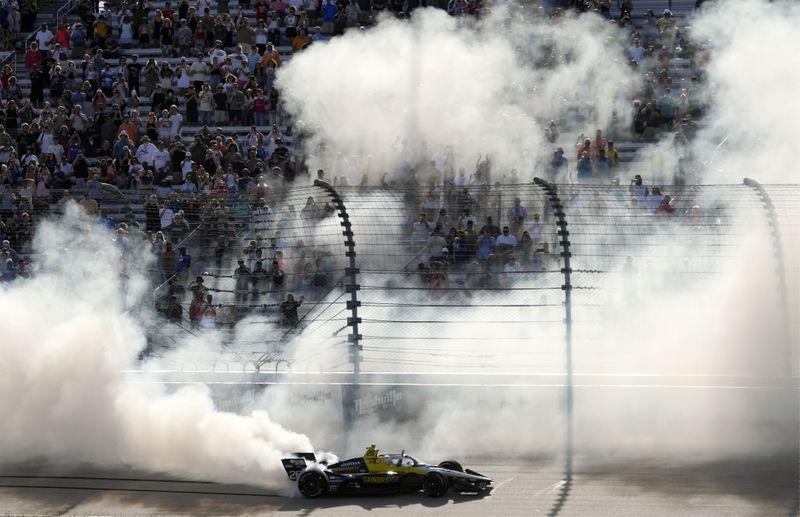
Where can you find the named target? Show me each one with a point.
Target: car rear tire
(435, 484)
(451, 465)
(312, 484)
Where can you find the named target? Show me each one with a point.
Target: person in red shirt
(599, 143)
(62, 36)
(32, 56)
(260, 109)
(6, 76)
(279, 6)
(166, 12)
(262, 10)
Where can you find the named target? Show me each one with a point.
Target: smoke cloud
(70, 336)
(754, 109)
(384, 99)
(68, 339)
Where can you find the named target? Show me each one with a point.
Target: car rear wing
(298, 463)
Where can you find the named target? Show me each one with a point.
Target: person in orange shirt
(301, 41)
(599, 143)
(271, 54)
(128, 127)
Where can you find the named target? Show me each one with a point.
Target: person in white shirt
(167, 217)
(536, 228)
(44, 38)
(66, 169)
(279, 243)
(505, 242)
(57, 150)
(146, 152)
(421, 229)
(160, 158)
(461, 180)
(636, 52)
(186, 166)
(176, 121)
(78, 120)
(218, 52)
(46, 139)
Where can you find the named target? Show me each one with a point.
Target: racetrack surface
(746, 487)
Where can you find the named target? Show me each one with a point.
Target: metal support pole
(349, 392)
(551, 191)
(791, 356)
(777, 242)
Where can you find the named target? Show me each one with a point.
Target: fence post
(551, 191)
(349, 392)
(790, 343)
(777, 243)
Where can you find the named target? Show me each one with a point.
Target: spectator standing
(242, 282)
(329, 12)
(289, 316)
(45, 39)
(168, 262)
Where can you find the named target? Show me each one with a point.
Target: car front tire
(435, 484)
(451, 465)
(312, 484)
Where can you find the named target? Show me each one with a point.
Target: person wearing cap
(146, 152)
(666, 23)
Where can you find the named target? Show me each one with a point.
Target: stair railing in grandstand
(267, 357)
(165, 283)
(10, 58)
(65, 9)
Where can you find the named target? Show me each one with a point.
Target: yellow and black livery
(381, 473)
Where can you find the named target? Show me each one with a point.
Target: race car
(376, 473)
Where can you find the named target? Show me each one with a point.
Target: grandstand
(229, 215)
(680, 69)
(423, 292)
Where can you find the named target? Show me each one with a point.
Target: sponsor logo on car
(380, 479)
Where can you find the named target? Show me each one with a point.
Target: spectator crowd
(113, 89)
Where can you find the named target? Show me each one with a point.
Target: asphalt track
(753, 487)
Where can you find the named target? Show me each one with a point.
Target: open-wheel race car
(381, 473)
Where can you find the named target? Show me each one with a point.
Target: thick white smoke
(384, 99)
(67, 338)
(67, 342)
(752, 73)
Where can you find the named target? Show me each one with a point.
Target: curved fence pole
(777, 243)
(551, 191)
(350, 392)
(791, 356)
